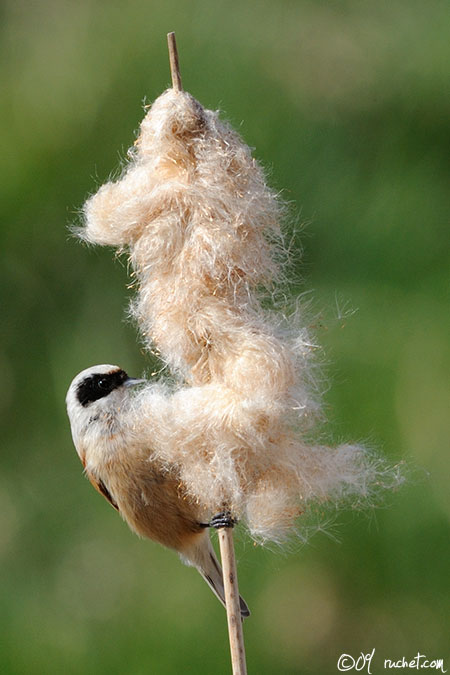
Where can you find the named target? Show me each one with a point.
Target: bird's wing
(101, 487)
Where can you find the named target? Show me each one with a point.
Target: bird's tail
(203, 557)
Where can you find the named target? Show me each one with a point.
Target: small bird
(121, 467)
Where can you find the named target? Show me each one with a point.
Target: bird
(123, 468)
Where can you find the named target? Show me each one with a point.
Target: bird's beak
(132, 382)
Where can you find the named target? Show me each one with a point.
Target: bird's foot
(223, 519)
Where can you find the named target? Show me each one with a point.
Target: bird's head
(96, 401)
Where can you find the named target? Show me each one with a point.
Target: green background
(347, 106)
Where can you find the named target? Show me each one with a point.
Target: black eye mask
(99, 385)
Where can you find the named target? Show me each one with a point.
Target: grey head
(97, 391)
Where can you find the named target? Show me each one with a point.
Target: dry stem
(174, 65)
(234, 619)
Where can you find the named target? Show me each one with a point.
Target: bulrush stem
(230, 582)
(174, 65)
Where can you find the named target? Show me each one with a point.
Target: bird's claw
(223, 519)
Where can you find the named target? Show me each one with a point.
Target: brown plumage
(147, 494)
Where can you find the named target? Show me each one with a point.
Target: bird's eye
(103, 383)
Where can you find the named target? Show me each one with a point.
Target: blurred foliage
(347, 104)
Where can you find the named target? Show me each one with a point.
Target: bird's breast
(150, 499)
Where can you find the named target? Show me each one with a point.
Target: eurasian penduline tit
(122, 469)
